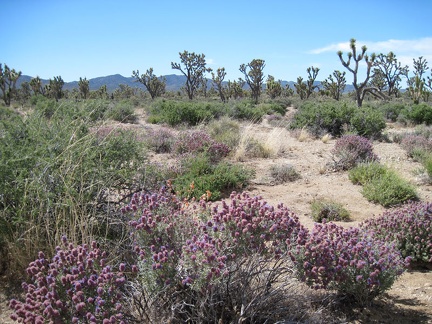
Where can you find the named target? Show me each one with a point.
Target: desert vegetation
(134, 207)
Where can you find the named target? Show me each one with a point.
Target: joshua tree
(203, 87)
(288, 91)
(194, 69)
(273, 88)
(102, 92)
(254, 76)
(154, 85)
(335, 86)
(8, 79)
(218, 83)
(235, 88)
(420, 67)
(55, 88)
(416, 88)
(84, 88)
(24, 93)
(305, 89)
(416, 84)
(429, 82)
(37, 87)
(301, 88)
(361, 88)
(378, 80)
(124, 92)
(312, 75)
(388, 68)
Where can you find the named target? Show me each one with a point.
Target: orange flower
(185, 204)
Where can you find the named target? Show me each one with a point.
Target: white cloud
(419, 47)
(331, 48)
(210, 61)
(406, 48)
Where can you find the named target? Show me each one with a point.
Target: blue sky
(74, 39)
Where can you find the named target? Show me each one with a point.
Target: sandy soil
(410, 299)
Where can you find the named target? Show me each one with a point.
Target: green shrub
(334, 117)
(389, 190)
(323, 117)
(46, 107)
(184, 112)
(225, 130)
(34, 99)
(382, 185)
(419, 114)
(391, 110)
(365, 172)
(368, 122)
(329, 211)
(283, 101)
(244, 110)
(95, 109)
(9, 114)
(201, 176)
(283, 173)
(123, 112)
(270, 108)
(427, 164)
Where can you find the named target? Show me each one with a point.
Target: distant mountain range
(173, 82)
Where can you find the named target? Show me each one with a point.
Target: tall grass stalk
(59, 178)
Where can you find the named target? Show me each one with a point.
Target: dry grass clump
(301, 134)
(225, 130)
(282, 173)
(252, 145)
(267, 293)
(275, 141)
(326, 138)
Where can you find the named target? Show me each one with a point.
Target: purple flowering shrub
(161, 140)
(161, 225)
(350, 150)
(250, 225)
(415, 144)
(199, 250)
(197, 141)
(200, 261)
(410, 227)
(76, 286)
(169, 233)
(351, 261)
